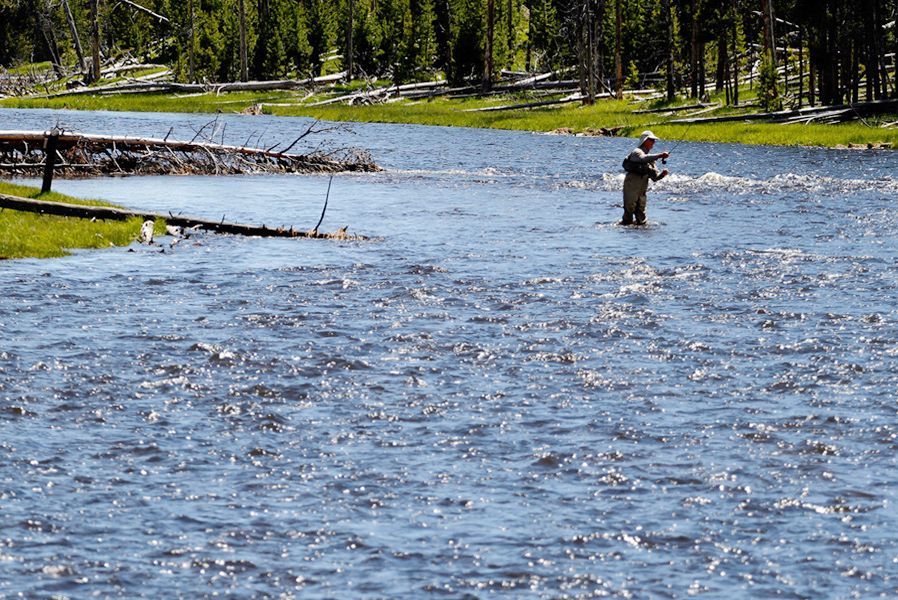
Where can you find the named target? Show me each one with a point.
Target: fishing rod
(680, 141)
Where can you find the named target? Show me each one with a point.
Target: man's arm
(655, 175)
(638, 156)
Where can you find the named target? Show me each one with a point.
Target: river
(503, 393)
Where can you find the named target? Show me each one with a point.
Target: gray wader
(637, 184)
(635, 200)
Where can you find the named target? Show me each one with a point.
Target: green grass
(28, 68)
(455, 112)
(205, 103)
(29, 235)
(606, 113)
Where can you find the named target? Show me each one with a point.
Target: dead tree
(488, 45)
(191, 48)
(668, 17)
(74, 154)
(618, 65)
(349, 33)
(50, 38)
(108, 213)
(76, 39)
(95, 39)
(586, 24)
(140, 8)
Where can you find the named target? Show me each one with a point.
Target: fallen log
(784, 116)
(674, 108)
(382, 93)
(507, 91)
(573, 97)
(822, 117)
(534, 79)
(125, 68)
(63, 209)
(172, 87)
(80, 154)
(527, 105)
(435, 92)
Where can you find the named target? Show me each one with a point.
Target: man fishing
(640, 167)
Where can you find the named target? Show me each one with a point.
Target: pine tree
(467, 41)
(321, 19)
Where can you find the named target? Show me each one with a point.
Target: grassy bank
(458, 112)
(29, 235)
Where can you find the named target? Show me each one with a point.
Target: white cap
(647, 135)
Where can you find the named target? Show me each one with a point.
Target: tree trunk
(867, 46)
(735, 53)
(590, 54)
(668, 16)
(722, 67)
(244, 58)
(512, 45)
(81, 211)
(618, 64)
(693, 52)
(785, 65)
(95, 39)
(529, 53)
(350, 21)
(76, 39)
(702, 75)
(828, 51)
(769, 37)
(50, 38)
(488, 45)
(812, 83)
(895, 55)
(876, 52)
(191, 44)
(598, 29)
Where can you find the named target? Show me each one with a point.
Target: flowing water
(503, 393)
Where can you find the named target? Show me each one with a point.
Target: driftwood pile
(21, 84)
(86, 155)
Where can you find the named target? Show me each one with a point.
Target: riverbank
(29, 235)
(570, 119)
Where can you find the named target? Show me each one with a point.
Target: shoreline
(31, 235)
(618, 116)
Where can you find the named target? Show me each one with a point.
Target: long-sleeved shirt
(639, 156)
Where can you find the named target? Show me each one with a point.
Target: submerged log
(80, 154)
(63, 209)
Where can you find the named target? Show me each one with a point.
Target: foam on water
(714, 183)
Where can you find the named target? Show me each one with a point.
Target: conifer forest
(821, 51)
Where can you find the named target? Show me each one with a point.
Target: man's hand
(665, 155)
(664, 173)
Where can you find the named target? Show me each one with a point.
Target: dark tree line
(817, 51)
